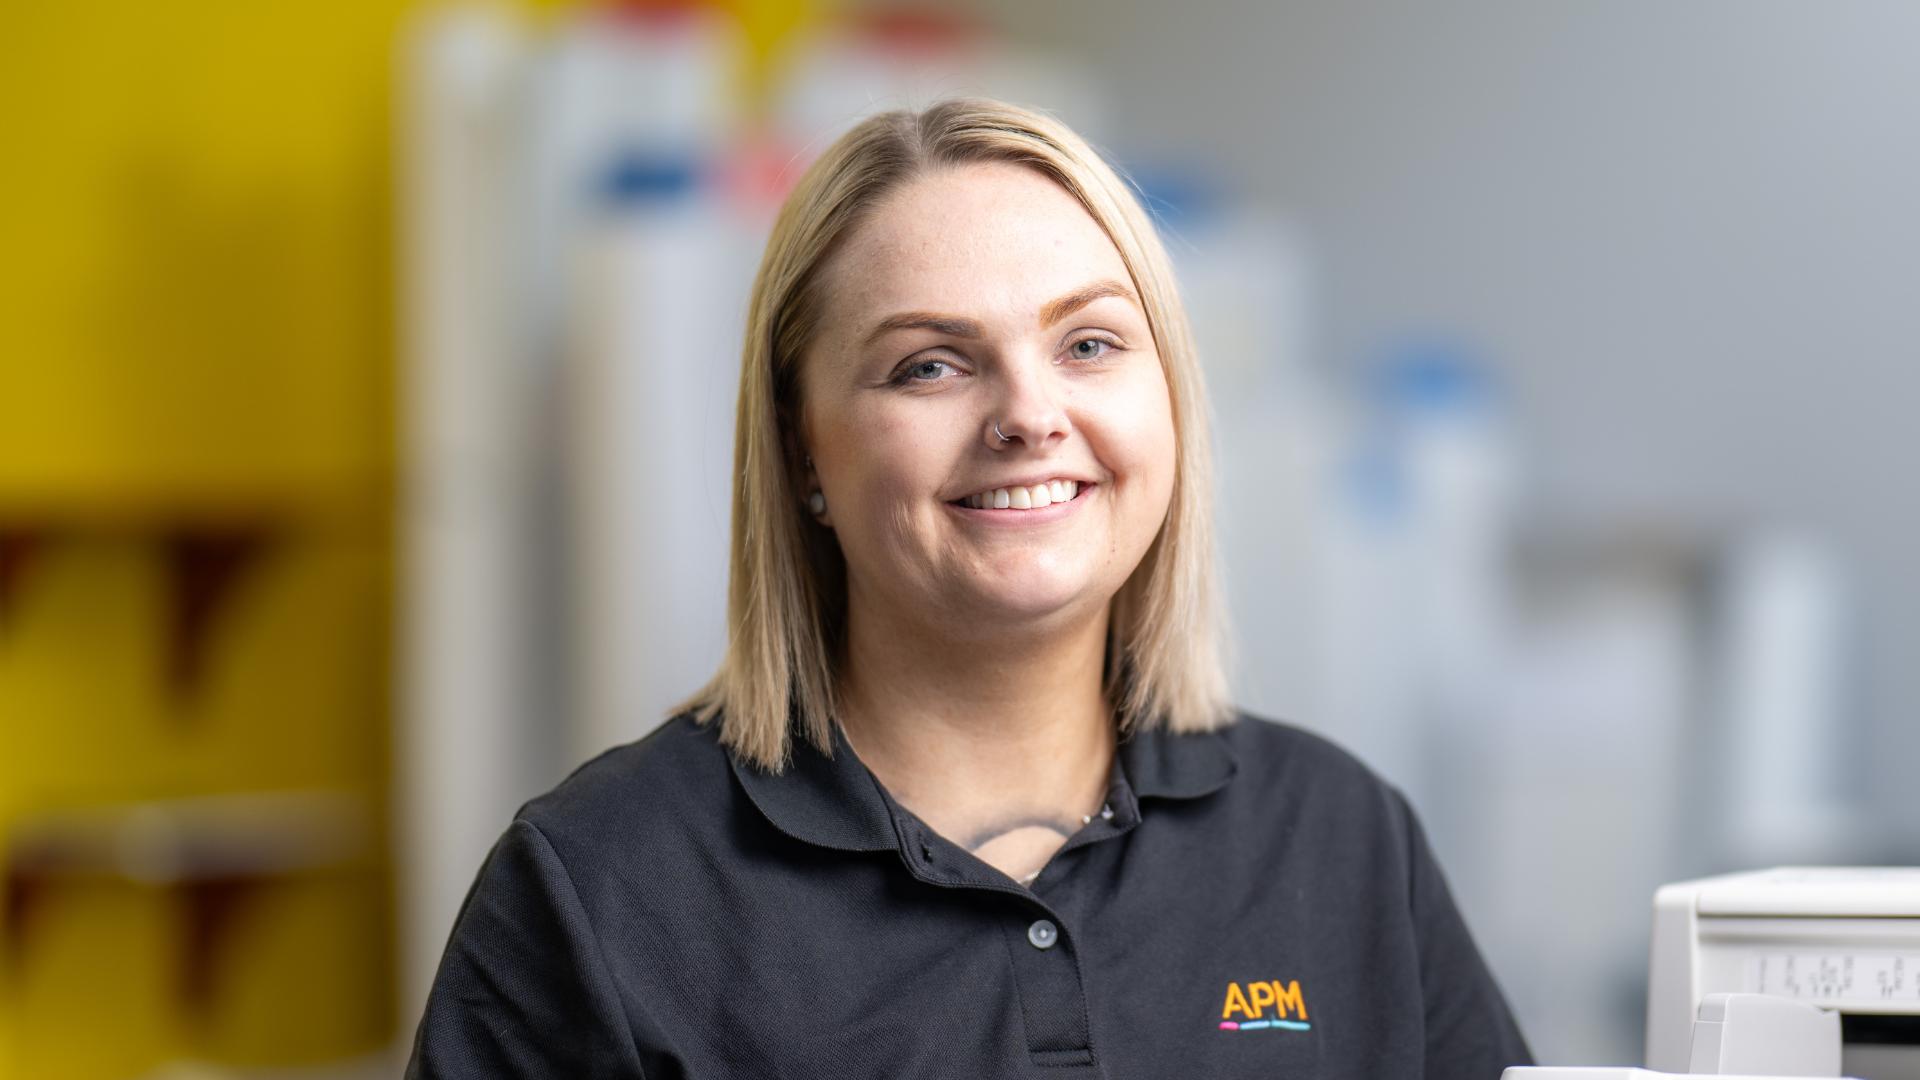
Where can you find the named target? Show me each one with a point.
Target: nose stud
(1004, 437)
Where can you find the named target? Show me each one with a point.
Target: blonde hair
(786, 605)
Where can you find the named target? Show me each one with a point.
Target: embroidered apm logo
(1265, 1006)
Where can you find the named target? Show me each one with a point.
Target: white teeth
(1025, 498)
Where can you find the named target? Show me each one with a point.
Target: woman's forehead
(998, 238)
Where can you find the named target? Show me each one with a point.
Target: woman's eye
(1090, 348)
(924, 371)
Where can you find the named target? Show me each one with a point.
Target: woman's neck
(1001, 743)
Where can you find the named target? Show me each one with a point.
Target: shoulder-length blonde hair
(786, 604)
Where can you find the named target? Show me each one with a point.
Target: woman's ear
(816, 498)
(811, 494)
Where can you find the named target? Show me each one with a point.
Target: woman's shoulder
(677, 773)
(1265, 743)
(1289, 762)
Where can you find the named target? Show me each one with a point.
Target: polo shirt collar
(833, 802)
(1163, 765)
(836, 802)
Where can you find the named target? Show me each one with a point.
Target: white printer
(1796, 971)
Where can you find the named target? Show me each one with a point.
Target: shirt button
(1042, 934)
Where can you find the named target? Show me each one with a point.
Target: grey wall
(1686, 233)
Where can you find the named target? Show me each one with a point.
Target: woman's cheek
(1146, 424)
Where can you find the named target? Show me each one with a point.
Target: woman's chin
(1041, 600)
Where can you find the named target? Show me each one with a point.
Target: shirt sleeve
(523, 990)
(1470, 1031)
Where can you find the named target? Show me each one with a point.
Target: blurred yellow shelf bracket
(17, 545)
(213, 851)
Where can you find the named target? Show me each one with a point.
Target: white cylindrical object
(651, 446)
(460, 686)
(1785, 729)
(652, 325)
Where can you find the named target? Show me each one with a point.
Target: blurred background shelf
(215, 859)
(196, 485)
(184, 840)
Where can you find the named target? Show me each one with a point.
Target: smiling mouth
(1024, 498)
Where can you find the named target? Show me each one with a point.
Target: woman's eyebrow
(962, 327)
(950, 325)
(1059, 309)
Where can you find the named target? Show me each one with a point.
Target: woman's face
(974, 296)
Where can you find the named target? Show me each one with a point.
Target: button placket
(1047, 978)
(1049, 981)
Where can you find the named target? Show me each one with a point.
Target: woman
(966, 798)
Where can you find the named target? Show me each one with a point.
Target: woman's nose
(1030, 412)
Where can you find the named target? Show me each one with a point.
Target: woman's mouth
(1033, 497)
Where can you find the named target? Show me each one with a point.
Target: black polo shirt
(1256, 904)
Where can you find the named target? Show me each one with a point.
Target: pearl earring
(817, 502)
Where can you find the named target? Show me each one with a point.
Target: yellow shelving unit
(196, 458)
